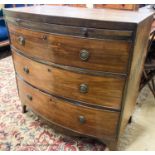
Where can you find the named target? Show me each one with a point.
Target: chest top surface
(79, 16)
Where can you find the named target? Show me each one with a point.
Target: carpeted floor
(27, 132)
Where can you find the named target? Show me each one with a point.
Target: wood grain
(46, 43)
(98, 18)
(137, 65)
(83, 32)
(67, 114)
(103, 91)
(107, 56)
(118, 6)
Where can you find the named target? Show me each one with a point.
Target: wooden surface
(118, 6)
(67, 114)
(50, 62)
(82, 17)
(83, 32)
(104, 91)
(101, 6)
(137, 64)
(83, 13)
(105, 55)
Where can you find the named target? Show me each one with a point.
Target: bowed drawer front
(85, 120)
(104, 91)
(96, 54)
(79, 68)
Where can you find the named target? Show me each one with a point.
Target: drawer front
(95, 90)
(85, 32)
(92, 54)
(89, 121)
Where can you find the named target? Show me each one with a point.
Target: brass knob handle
(84, 55)
(85, 32)
(82, 119)
(29, 97)
(21, 40)
(26, 70)
(83, 88)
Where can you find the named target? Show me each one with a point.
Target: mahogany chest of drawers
(79, 68)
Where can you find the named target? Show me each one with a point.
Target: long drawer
(95, 90)
(84, 120)
(77, 31)
(93, 54)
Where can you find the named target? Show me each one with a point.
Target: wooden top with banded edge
(80, 16)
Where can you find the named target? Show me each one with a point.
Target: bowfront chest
(79, 68)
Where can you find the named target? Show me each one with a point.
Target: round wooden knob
(26, 70)
(82, 119)
(84, 55)
(83, 88)
(21, 40)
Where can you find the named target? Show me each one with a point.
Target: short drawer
(95, 90)
(84, 120)
(93, 54)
